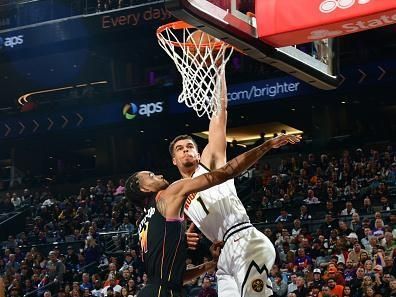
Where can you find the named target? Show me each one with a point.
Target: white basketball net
(201, 63)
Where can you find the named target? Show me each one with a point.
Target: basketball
(204, 42)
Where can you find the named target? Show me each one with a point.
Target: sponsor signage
(36, 123)
(11, 41)
(135, 17)
(258, 91)
(288, 86)
(319, 19)
(85, 27)
(131, 110)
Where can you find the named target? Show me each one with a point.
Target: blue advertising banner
(374, 74)
(84, 26)
(29, 124)
(258, 91)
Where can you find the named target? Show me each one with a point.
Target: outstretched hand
(284, 139)
(192, 237)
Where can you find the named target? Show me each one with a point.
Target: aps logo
(328, 6)
(11, 41)
(131, 110)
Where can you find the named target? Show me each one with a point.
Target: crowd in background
(330, 216)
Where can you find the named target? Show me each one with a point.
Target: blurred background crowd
(331, 217)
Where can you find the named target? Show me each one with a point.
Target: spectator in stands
(354, 255)
(352, 238)
(384, 287)
(343, 229)
(284, 216)
(304, 214)
(126, 225)
(97, 290)
(368, 267)
(335, 289)
(352, 190)
(301, 290)
(379, 256)
(391, 174)
(385, 204)
(302, 262)
(55, 268)
(12, 264)
(296, 227)
(293, 284)
(311, 199)
(86, 283)
(132, 288)
(388, 265)
(113, 286)
(363, 257)
(367, 208)
(367, 283)
(265, 203)
(355, 225)
(379, 230)
(333, 273)
(125, 277)
(286, 255)
(16, 200)
(349, 271)
(120, 190)
(207, 290)
(392, 288)
(145, 280)
(391, 222)
(258, 216)
(330, 208)
(7, 205)
(317, 278)
(279, 286)
(347, 292)
(356, 282)
(91, 251)
(329, 224)
(348, 210)
(11, 243)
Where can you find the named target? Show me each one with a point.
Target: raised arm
(231, 169)
(214, 154)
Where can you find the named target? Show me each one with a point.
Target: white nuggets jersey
(216, 209)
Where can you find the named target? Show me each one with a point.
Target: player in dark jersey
(162, 232)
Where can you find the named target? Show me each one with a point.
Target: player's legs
(253, 257)
(227, 286)
(226, 282)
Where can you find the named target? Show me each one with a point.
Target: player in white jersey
(247, 255)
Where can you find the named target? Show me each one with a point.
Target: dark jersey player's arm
(195, 272)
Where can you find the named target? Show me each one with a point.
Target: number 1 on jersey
(199, 199)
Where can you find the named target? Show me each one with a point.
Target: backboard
(234, 22)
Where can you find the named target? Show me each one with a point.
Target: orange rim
(180, 25)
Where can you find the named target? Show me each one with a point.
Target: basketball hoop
(200, 59)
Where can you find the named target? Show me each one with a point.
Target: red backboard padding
(285, 22)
